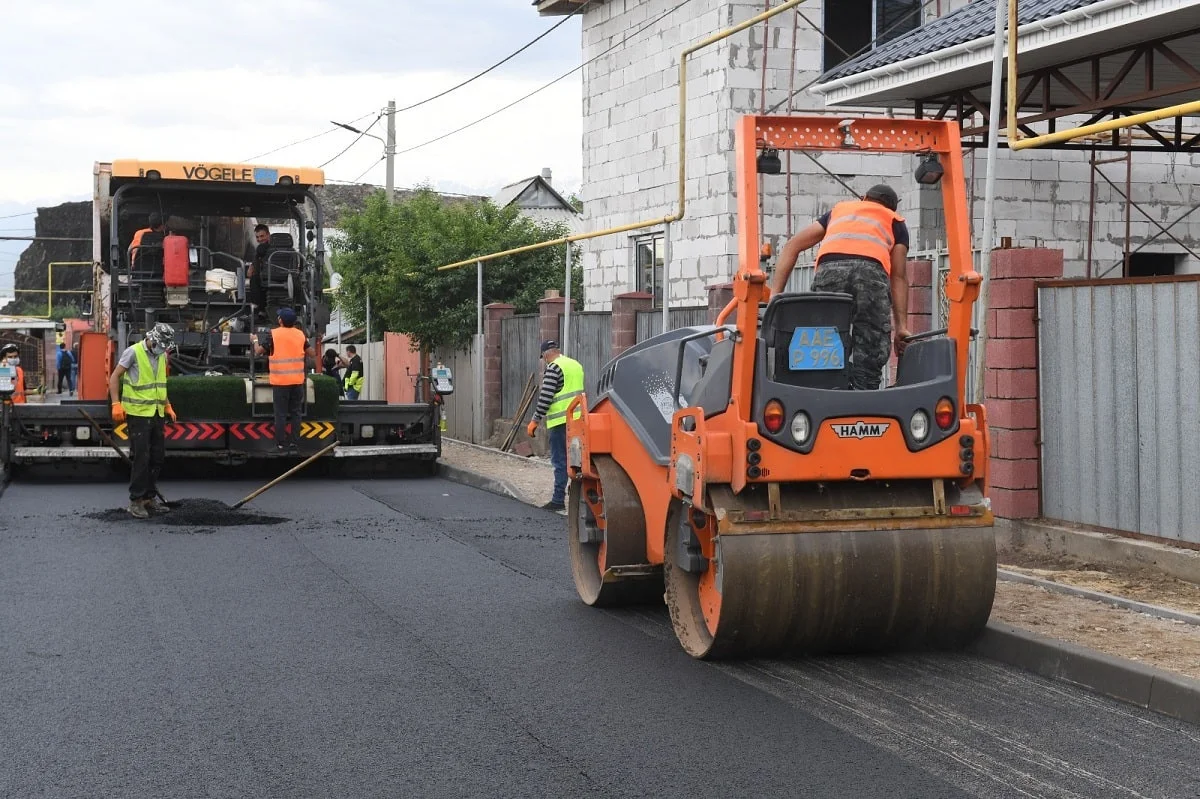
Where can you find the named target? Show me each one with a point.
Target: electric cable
(302, 141)
(545, 86)
(357, 138)
(23, 213)
(502, 61)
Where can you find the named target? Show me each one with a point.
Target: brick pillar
(1011, 378)
(550, 309)
(625, 309)
(719, 295)
(493, 380)
(920, 296)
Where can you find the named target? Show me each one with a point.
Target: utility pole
(390, 151)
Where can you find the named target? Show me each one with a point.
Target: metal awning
(1094, 59)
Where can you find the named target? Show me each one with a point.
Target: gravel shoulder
(1169, 645)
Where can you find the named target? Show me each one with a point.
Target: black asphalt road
(417, 638)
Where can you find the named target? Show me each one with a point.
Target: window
(856, 26)
(1152, 264)
(648, 258)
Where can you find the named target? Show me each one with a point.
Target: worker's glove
(118, 412)
(531, 429)
(171, 413)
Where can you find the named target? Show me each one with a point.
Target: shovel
(108, 440)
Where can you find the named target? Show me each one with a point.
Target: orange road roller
(776, 510)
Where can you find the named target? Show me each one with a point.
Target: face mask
(154, 349)
(14, 361)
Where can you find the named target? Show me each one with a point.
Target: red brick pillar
(625, 309)
(550, 309)
(920, 296)
(1011, 378)
(493, 380)
(719, 295)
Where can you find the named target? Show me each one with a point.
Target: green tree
(394, 251)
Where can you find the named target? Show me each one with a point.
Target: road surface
(418, 638)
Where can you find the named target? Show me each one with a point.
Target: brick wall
(1011, 379)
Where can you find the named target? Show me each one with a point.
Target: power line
(507, 58)
(301, 141)
(547, 85)
(351, 144)
(23, 213)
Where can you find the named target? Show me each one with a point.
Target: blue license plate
(816, 349)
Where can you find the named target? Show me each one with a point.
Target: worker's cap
(287, 315)
(884, 194)
(162, 335)
(549, 344)
(7, 348)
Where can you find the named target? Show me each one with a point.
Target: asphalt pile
(195, 513)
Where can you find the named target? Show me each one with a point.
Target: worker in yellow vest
(863, 253)
(287, 351)
(562, 381)
(138, 390)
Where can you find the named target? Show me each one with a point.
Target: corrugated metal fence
(519, 356)
(590, 343)
(649, 323)
(1120, 405)
(460, 406)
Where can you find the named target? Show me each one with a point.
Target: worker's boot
(137, 509)
(156, 505)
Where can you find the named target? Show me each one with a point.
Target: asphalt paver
(416, 637)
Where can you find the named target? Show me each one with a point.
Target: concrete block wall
(630, 161)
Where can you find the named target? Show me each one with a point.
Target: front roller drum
(777, 594)
(607, 538)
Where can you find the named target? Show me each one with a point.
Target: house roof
(972, 21)
(509, 194)
(955, 52)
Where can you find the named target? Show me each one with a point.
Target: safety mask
(14, 361)
(154, 349)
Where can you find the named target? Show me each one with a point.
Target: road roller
(730, 471)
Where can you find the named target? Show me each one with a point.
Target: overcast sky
(83, 81)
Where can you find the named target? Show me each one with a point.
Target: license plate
(816, 349)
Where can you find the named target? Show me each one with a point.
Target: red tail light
(773, 416)
(943, 414)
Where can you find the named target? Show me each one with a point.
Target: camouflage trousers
(871, 330)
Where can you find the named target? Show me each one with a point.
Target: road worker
(287, 351)
(138, 390)
(352, 382)
(562, 381)
(12, 356)
(155, 222)
(863, 253)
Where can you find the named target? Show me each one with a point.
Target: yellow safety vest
(147, 397)
(572, 387)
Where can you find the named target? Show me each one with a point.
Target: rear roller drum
(607, 538)
(766, 594)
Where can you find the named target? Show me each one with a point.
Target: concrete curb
(1117, 678)
(1099, 596)
(1037, 535)
(469, 478)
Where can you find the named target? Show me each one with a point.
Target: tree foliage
(394, 251)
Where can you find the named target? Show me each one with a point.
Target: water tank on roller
(175, 261)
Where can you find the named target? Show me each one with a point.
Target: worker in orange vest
(155, 223)
(286, 351)
(863, 253)
(11, 354)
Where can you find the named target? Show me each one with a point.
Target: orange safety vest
(287, 356)
(18, 395)
(863, 228)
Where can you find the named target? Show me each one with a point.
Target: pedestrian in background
(12, 356)
(354, 373)
(562, 381)
(66, 369)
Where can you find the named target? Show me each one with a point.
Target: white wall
(630, 164)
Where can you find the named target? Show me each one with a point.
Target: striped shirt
(552, 383)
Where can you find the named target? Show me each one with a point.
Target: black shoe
(555, 506)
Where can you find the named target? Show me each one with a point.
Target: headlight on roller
(801, 428)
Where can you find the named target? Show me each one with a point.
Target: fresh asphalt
(419, 638)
